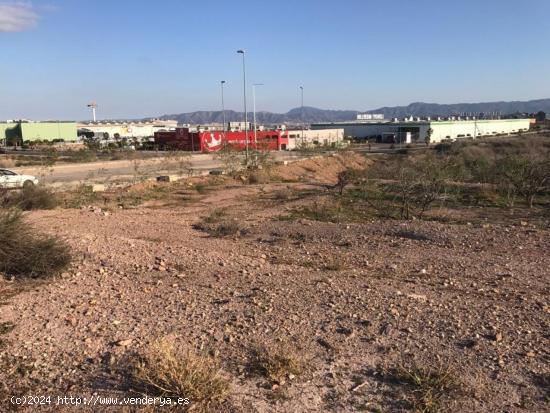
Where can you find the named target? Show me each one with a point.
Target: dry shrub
(285, 194)
(215, 216)
(162, 370)
(26, 253)
(218, 225)
(323, 210)
(335, 263)
(31, 197)
(226, 228)
(277, 362)
(258, 177)
(431, 386)
(81, 196)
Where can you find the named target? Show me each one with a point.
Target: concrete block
(98, 188)
(167, 178)
(217, 172)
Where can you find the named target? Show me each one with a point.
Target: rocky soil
(352, 299)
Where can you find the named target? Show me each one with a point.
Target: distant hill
(434, 109)
(315, 115)
(310, 115)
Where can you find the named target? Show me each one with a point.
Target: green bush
(26, 253)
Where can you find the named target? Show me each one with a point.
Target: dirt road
(112, 172)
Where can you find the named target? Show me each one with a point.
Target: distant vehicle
(10, 179)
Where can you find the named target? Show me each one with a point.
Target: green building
(17, 133)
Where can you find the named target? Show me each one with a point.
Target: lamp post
(244, 99)
(302, 113)
(254, 108)
(223, 108)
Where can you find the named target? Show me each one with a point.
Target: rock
(420, 297)
(167, 178)
(124, 342)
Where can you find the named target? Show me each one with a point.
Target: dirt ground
(353, 300)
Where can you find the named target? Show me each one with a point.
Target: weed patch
(162, 370)
(26, 253)
(218, 225)
(428, 387)
(31, 197)
(277, 362)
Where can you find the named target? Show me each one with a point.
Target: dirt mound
(321, 169)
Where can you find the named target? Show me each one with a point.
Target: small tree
(231, 159)
(428, 137)
(524, 176)
(347, 177)
(419, 184)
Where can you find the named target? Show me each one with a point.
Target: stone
(98, 188)
(167, 178)
(124, 342)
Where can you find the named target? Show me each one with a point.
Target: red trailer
(180, 139)
(266, 140)
(213, 141)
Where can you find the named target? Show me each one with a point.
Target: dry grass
(217, 224)
(162, 370)
(430, 387)
(29, 198)
(336, 262)
(26, 253)
(277, 362)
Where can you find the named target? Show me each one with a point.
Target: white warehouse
(312, 138)
(475, 128)
(417, 131)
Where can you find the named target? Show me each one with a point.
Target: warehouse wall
(48, 131)
(309, 137)
(469, 128)
(441, 129)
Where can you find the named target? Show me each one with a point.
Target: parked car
(10, 179)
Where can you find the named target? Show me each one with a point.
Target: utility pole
(244, 99)
(255, 125)
(223, 110)
(302, 113)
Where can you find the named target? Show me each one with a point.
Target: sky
(149, 58)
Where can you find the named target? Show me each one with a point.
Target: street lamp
(302, 113)
(254, 108)
(223, 108)
(244, 98)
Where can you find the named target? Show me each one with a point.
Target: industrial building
(15, 133)
(214, 141)
(308, 138)
(110, 130)
(417, 130)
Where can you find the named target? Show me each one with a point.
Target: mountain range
(315, 115)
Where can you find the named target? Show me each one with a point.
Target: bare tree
(525, 176)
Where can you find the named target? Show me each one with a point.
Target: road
(114, 172)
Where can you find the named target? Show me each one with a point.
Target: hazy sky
(148, 58)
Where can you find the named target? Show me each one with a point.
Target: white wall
(469, 128)
(314, 137)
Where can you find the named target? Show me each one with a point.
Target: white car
(10, 179)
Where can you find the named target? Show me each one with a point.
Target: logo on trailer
(212, 143)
